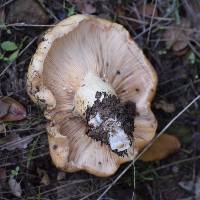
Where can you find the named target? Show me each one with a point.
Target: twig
(171, 164)
(149, 145)
(132, 19)
(22, 24)
(96, 191)
(151, 22)
(22, 140)
(6, 3)
(194, 49)
(47, 10)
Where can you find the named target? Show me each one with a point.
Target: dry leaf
(61, 176)
(165, 106)
(161, 148)
(14, 141)
(15, 187)
(44, 176)
(177, 37)
(29, 12)
(147, 10)
(11, 110)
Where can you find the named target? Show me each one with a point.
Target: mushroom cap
(76, 46)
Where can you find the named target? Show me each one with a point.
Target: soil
(110, 108)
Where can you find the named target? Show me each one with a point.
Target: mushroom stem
(97, 102)
(86, 94)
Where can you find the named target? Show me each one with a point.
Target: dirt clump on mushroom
(107, 115)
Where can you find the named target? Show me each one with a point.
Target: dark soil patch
(112, 113)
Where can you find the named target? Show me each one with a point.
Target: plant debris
(15, 187)
(148, 10)
(165, 106)
(29, 12)
(85, 7)
(161, 148)
(2, 177)
(44, 176)
(177, 37)
(14, 141)
(11, 110)
(192, 186)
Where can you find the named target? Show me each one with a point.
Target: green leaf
(1, 56)
(13, 56)
(71, 11)
(15, 172)
(8, 46)
(192, 58)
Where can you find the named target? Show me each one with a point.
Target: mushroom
(95, 86)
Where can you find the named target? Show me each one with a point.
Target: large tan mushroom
(96, 88)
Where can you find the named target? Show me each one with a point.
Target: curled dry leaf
(165, 106)
(161, 148)
(177, 37)
(11, 110)
(15, 187)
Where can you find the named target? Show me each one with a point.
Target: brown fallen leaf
(11, 110)
(178, 36)
(161, 148)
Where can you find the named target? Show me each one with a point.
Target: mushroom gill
(96, 87)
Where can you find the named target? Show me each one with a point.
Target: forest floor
(169, 34)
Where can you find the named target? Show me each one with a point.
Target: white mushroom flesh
(95, 121)
(118, 140)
